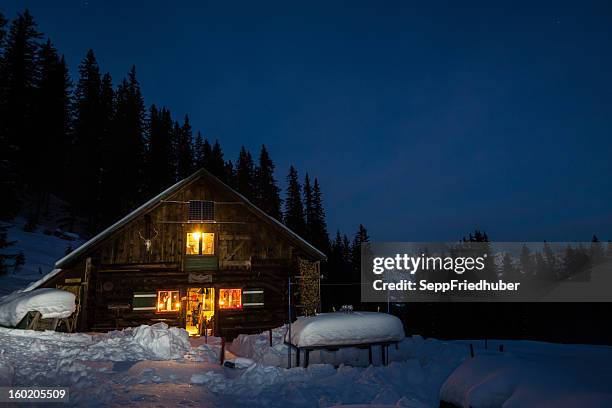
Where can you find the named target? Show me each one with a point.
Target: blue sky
(422, 122)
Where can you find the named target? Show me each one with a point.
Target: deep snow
(51, 303)
(161, 366)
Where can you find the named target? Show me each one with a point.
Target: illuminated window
(200, 243)
(168, 301)
(230, 299)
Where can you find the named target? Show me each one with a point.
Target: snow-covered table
(332, 331)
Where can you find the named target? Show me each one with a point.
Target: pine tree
(526, 262)
(245, 174)
(551, 270)
(267, 191)
(207, 154)
(183, 139)
(107, 143)
(361, 237)
(126, 169)
(161, 171)
(198, 151)
(86, 163)
(18, 78)
(229, 174)
(320, 236)
(309, 217)
(53, 122)
(217, 165)
(508, 270)
(294, 209)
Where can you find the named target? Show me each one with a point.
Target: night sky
(422, 123)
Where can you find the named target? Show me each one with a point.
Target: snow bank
(51, 303)
(507, 380)
(346, 329)
(156, 342)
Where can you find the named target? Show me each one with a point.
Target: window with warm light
(200, 243)
(168, 301)
(230, 299)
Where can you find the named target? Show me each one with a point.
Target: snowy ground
(41, 252)
(160, 366)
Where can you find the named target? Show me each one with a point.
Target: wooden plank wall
(252, 254)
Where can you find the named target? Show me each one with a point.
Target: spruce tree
(245, 174)
(527, 262)
(267, 190)
(198, 151)
(126, 169)
(294, 209)
(18, 78)
(361, 237)
(207, 154)
(309, 217)
(508, 270)
(229, 174)
(8, 175)
(217, 165)
(49, 146)
(183, 139)
(86, 163)
(160, 172)
(320, 236)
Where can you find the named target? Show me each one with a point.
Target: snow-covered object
(239, 362)
(504, 379)
(328, 329)
(51, 303)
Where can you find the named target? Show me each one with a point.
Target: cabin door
(200, 311)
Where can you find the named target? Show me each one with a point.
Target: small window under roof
(200, 210)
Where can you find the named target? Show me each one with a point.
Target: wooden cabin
(198, 256)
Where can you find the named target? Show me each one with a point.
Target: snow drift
(345, 329)
(574, 376)
(51, 303)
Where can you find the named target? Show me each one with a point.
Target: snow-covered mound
(345, 329)
(51, 303)
(153, 342)
(575, 377)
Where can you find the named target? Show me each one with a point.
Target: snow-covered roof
(299, 241)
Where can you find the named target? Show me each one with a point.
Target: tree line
(102, 151)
